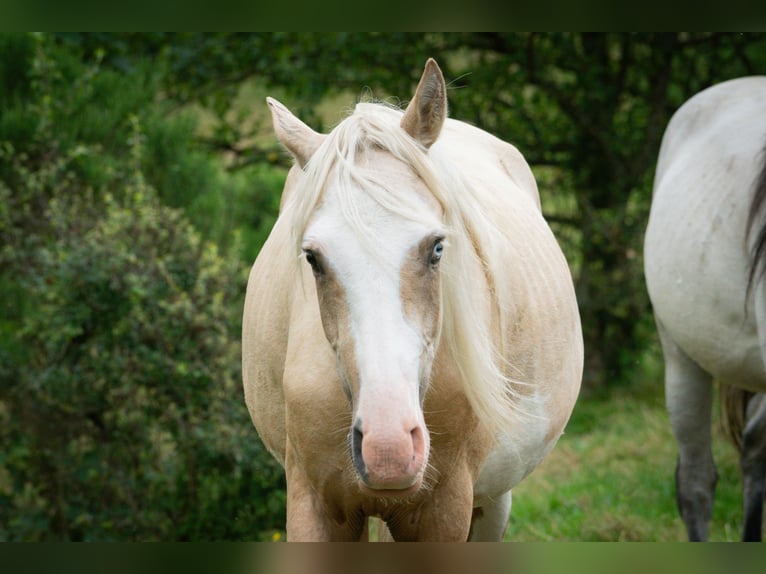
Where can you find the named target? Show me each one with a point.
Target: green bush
(121, 407)
(122, 414)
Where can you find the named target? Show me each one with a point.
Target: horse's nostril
(418, 442)
(356, 448)
(356, 436)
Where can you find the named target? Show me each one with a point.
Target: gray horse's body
(697, 262)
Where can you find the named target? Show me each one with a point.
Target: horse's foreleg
(689, 400)
(306, 520)
(490, 521)
(753, 460)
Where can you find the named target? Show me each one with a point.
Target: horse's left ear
(299, 139)
(425, 114)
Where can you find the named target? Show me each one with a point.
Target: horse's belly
(696, 276)
(731, 354)
(516, 456)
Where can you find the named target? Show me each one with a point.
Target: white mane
(478, 236)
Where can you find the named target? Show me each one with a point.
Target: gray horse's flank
(704, 253)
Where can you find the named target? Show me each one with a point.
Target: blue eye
(436, 253)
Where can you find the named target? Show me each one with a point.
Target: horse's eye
(436, 252)
(312, 259)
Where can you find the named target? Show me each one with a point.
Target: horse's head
(373, 237)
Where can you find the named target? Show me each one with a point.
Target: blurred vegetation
(139, 178)
(121, 406)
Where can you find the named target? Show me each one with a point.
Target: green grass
(611, 477)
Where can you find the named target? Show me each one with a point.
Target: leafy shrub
(121, 409)
(123, 417)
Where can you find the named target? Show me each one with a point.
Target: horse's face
(379, 297)
(378, 288)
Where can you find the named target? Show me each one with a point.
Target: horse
(704, 250)
(411, 342)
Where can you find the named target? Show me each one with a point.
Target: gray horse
(704, 251)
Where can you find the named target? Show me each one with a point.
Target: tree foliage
(121, 407)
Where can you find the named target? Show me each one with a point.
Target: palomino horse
(411, 341)
(703, 258)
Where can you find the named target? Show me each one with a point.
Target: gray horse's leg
(490, 522)
(753, 460)
(689, 400)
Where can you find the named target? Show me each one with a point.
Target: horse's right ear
(299, 139)
(424, 117)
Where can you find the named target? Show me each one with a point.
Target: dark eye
(436, 252)
(313, 260)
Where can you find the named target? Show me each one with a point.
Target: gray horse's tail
(733, 400)
(758, 249)
(733, 404)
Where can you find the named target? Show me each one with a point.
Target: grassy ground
(611, 476)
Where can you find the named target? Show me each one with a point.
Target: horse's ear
(425, 115)
(299, 139)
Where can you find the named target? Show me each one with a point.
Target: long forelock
(341, 160)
